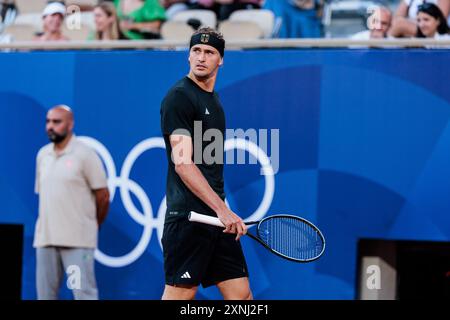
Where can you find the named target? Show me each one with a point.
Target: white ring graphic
(107, 160)
(134, 254)
(263, 159)
(125, 175)
(146, 218)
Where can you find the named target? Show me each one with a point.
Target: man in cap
(196, 253)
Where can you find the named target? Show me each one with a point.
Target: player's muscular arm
(192, 177)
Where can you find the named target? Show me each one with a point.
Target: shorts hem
(206, 284)
(187, 283)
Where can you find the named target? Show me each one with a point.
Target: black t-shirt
(184, 105)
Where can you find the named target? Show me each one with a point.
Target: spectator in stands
(228, 6)
(404, 23)
(140, 19)
(106, 23)
(53, 18)
(431, 22)
(202, 4)
(8, 11)
(378, 24)
(300, 18)
(172, 7)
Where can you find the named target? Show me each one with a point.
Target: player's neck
(206, 84)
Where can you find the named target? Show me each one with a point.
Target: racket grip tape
(197, 217)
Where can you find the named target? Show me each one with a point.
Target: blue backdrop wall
(364, 153)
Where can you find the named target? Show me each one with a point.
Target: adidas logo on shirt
(186, 275)
(207, 111)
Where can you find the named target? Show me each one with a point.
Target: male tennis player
(196, 253)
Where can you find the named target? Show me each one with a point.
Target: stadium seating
(176, 30)
(30, 6)
(265, 19)
(208, 18)
(240, 30)
(21, 32)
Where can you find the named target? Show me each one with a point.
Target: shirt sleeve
(177, 112)
(94, 171)
(36, 180)
(152, 10)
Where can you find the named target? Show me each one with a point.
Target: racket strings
(291, 237)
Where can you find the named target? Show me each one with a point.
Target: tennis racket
(287, 236)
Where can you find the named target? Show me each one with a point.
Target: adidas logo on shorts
(186, 275)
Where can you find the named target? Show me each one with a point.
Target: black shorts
(196, 253)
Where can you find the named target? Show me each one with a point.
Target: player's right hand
(232, 222)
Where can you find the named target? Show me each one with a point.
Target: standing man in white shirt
(73, 202)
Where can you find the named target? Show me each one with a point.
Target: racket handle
(202, 218)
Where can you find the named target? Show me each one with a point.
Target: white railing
(231, 45)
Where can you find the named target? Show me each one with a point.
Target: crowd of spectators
(143, 19)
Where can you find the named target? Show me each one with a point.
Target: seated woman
(53, 18)
(172, 7)
(140, 19)
(106, 23)
(431, 22)
(404, 23)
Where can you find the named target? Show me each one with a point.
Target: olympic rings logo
(145, 218)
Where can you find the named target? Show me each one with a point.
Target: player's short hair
(210, 31)
(209, 37)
